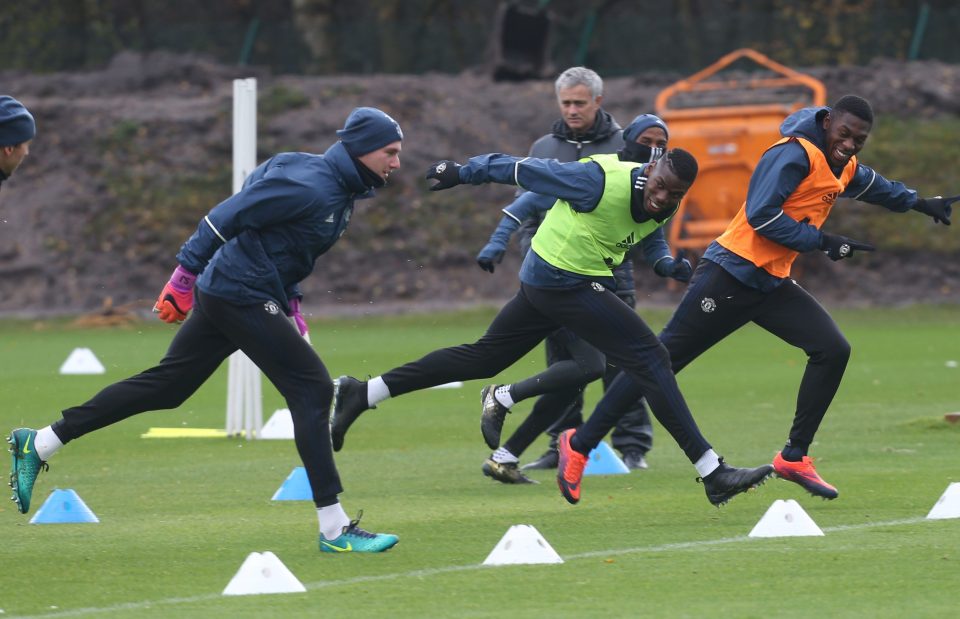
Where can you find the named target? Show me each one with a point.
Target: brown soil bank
(129, 158)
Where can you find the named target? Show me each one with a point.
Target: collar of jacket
(808, 124)
(603, 127)
(341, 161)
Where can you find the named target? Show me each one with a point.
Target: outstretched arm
(869, 186)
(580, 184)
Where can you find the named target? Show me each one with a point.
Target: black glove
(490, 256)
(938, 207)
(839, 247)
(679, 269)
(447, 174)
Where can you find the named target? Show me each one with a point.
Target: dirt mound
(130, 157)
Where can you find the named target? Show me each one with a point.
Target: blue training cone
(63, 506)
(295, 488)
(604, 461)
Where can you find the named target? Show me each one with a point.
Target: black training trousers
(590, 311)
(215, 329)
(715, 305)
(562, 404)
(572, 365)
(633, 429)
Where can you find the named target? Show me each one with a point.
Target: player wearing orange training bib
(744, 276)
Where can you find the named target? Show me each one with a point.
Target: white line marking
(346, 582)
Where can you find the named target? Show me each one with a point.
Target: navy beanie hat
(16, 123)
(368, 129)
(640, 124)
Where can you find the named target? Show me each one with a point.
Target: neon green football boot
(355, 539)
(26, 466)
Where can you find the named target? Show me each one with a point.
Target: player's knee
(836, 352)
(842, 351)
(661, 355)
(169, 398)
(593, 372)
(590, 367)
(323, 392)
(315, 400)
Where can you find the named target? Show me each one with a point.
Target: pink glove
(297, 316)
(176, 298)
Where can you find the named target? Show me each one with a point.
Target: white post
(244, 401)
(244, 130)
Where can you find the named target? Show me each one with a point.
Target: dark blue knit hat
(640, 124)
(368, 129)
(16, 123)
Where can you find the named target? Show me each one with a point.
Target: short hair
(683, 164)
(858, 106)
(574, 76)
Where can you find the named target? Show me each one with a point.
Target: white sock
(502, 394)
(377, 391)
(332, 520)
(47, 443)
(502, 456)
(708, 463)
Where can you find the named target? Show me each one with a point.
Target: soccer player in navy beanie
(236, 287)
(17, 129)
(368, 129)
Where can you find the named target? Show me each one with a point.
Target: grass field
(179, 516)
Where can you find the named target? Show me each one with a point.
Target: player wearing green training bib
(594, 243)
(606, 200)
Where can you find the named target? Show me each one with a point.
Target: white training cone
(785, 519)
(82, 361)
(522, 544)
(279, 426)
(948, 506)
(263, 573)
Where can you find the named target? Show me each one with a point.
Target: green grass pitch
(179, 516)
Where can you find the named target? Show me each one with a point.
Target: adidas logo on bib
(628, 242)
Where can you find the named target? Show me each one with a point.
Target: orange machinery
(727, 124)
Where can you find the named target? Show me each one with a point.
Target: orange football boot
(569, 468)
(805, 475)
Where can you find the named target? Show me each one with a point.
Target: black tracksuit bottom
(590, 311)
(214, 330)
(572, 364)
(715, 305)
(565, 407)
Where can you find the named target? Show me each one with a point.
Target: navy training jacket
(258, 244)
(778, 173)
